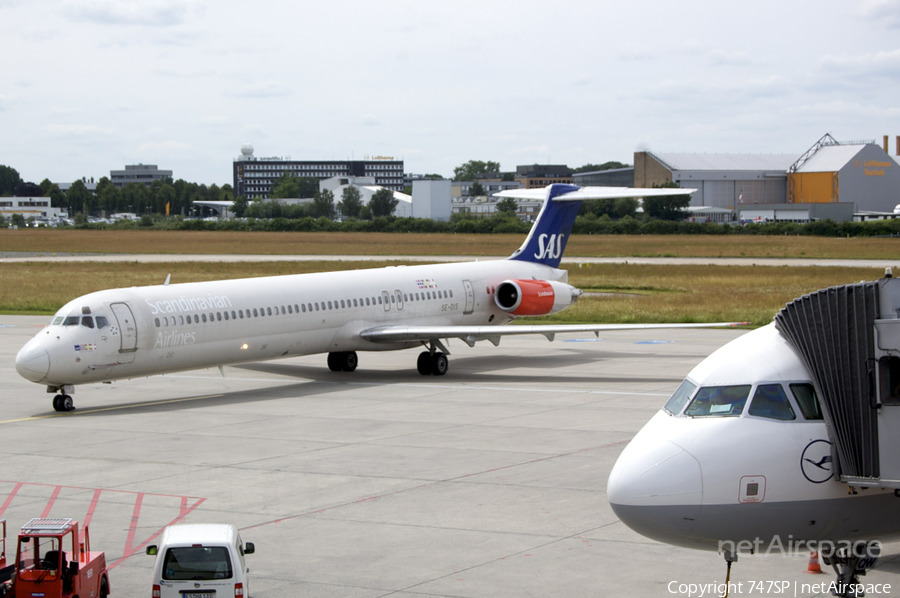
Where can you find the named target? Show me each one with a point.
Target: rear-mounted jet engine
(534, 297)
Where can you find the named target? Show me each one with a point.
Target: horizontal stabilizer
(585, 193)
(471, 334)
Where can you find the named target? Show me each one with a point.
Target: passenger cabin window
(718, 401)
(805, 394)
(770, 401)
(680, 398)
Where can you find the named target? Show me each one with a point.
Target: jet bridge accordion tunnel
(849, 339)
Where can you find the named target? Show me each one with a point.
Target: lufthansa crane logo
(816, 462)
(549, 246)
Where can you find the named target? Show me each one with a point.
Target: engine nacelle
(534, 297)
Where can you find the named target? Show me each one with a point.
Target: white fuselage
(141, 331)
(748, 479)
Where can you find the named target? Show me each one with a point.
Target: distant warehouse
(832, 179)
(721, 180)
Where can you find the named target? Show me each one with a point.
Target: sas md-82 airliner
(142, 331)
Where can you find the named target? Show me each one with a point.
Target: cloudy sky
(87, 86)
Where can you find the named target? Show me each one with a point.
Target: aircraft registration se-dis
(784, 440)
(143, 331)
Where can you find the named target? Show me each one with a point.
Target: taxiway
(488, 482)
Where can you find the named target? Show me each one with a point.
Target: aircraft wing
(593, 193)
(472, 334)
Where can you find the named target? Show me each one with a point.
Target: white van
(200, 560)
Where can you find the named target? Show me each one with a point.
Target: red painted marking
(90, 512)
(10, 497)
(185, 508)
(87, 488)
(129, 551)
(138, 502)
(50, 502)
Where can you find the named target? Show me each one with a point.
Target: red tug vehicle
(53, 561)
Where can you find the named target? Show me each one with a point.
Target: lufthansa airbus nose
(656, 488)
(33, 361)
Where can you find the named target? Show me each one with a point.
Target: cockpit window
(807, 400)
(680, 398)
(770, 401)
(72, 321)
(102, 322)
(87, 321)
(57, 321)
(719, 401)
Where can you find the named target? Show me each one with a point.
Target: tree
(136, 195)
(24, 189)
(79, 198)
(625, 206)
(508, 177)
(9, 180)
(289, 185)
(477, 189)
(52, 190)
(605, 166)
(508, 205)
(351, 202)
(109, 197)
(383, 203)
(240, 206)
(165, 195)
(323, 204)
(433, 177)
(471, 169)
(666, 207)
(286, 186)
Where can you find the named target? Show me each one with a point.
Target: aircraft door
(470, 297)
(127, 331)
(386, 299)
(399, 297)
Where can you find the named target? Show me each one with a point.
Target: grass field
(615, 293)
(203, 242)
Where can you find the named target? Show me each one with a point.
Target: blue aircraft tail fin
(547, 239)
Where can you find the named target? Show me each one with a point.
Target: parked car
(200, 560)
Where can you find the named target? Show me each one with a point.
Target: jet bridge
(849, 339)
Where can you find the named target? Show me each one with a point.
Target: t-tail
(546, 242)
(547, 239)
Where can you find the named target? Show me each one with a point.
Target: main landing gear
(342, 361)
(432, 364)
(63, 402)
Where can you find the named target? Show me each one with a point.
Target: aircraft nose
(33, 362)
(656, 489)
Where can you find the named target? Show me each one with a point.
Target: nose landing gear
(63, 402)
(849, 564)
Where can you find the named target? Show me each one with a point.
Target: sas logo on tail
(549, 248)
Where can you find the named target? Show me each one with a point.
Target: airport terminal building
(254, 177)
